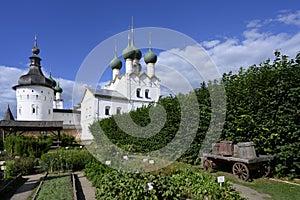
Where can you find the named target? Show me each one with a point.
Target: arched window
(147, 94)
(107, 110)
(37, 97)
(20, 110)
(27, 96)
(33, 108)
(138, 92)
(119, 110)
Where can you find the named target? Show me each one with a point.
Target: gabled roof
(104, 93)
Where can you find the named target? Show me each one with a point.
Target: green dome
(115, 63)
(137, 54)
(150, 57)
(58, 89)
(52, 80)
(128, 52)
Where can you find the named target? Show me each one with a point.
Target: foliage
(27, 146)
(23, 165)
(262, 105)
(62, 160)
(10, 170)
(57, 187)
(169, 183)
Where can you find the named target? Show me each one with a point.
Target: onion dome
(52, 80)
(150, 57)
(137, 53)
(35, 75)
(128, 52)
(58, 89)
(115, 63)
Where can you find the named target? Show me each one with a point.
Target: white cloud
(210, 44)
(289, 18)
(176, 68)
(254, 24)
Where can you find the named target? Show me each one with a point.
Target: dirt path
(250, 193)
(86, 190)
(25, 190)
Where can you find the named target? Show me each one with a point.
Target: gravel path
(86, 191)
(250, 193)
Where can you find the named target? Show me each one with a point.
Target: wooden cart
(241, 158)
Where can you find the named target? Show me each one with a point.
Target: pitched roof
(105, 93)
(8, 116)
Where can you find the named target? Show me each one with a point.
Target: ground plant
(56, 186)
(174, 182)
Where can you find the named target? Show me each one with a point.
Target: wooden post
(58, 137)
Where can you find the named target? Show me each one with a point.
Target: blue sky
(234, 33)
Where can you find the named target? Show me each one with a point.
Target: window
(118, 110)
(49, 111)
(20, 111)
(42, 91)
(27, 96)
(33, 109)
(138, 92)
(37, 97)
(107, 108)
(147, 94)
(45, 98)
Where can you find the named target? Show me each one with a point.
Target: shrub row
(62, 160)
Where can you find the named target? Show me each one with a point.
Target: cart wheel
(264, 170)
(208, 164)
(241, 171)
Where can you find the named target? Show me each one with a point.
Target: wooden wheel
(207, 164)
(241, 171)
(264, 169)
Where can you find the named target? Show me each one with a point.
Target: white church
(39, 97)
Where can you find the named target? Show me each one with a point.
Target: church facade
(39, 98)
(125, 92)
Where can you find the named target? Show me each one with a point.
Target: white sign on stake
(221, 179)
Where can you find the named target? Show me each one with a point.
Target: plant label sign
(221, 179)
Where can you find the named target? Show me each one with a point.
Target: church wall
(87, 114)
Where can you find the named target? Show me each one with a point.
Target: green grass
(56, 187)
(278, 190)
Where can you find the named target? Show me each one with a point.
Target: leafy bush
(21, 165)
(27, 146)
(61, 160)
(10, 170)
(176, 183)
(24, 165)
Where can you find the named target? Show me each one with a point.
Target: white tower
(34, 92)
(58, 102)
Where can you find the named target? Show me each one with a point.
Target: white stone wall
(87, 114)
(34, 103)
(67, 117)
